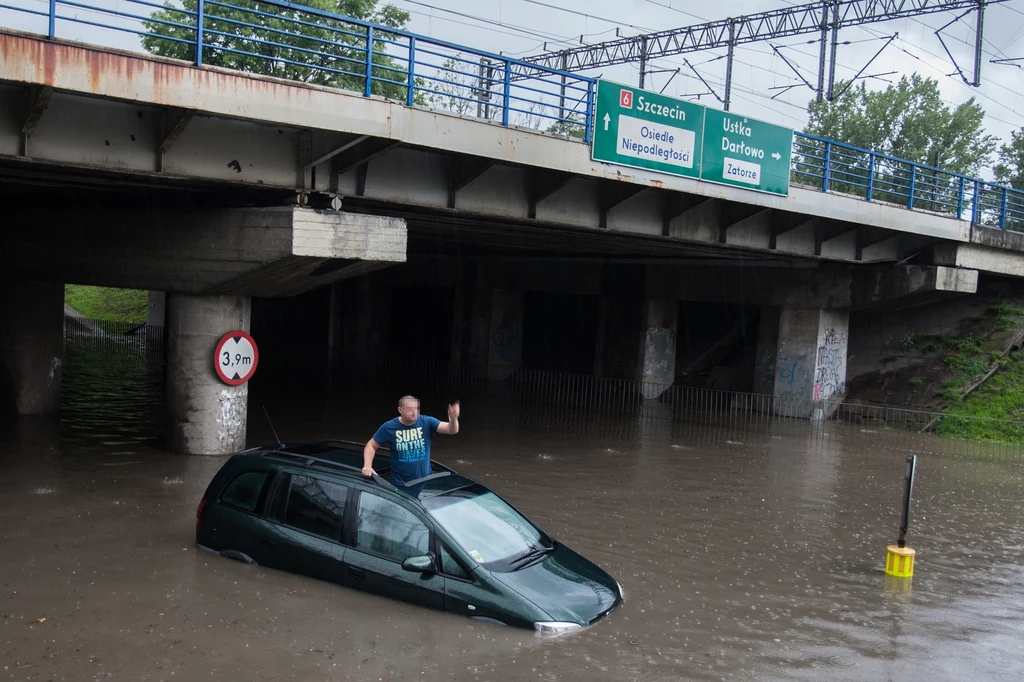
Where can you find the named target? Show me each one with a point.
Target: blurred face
(409, 410)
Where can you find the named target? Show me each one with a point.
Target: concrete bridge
(217, 186)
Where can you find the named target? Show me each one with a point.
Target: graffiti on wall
(830, 376)
(231, 413)
(788, 374)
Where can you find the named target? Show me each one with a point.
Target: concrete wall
(31, 344)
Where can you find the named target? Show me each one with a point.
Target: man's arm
(451, 427)
(369, 450)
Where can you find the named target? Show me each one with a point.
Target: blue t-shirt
(410, 447)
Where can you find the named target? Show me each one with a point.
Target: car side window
(244, 491)
(450, 565)
(389, 529)
(316, 506)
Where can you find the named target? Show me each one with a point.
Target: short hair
(406, 397)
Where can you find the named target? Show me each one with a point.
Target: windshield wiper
(532, 553)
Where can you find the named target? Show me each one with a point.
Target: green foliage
(1007, 316)
(908, 121)
(306, 47)
(1010, 169)
(916, 381)
(994, 412)
(460, 87)
(949, 394)
(102, 303)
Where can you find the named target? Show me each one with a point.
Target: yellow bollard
(899, 561)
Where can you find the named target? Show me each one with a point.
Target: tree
(908, 121)
(461, 87)
(1010, 169)
(286, 43)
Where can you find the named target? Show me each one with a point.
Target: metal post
(832, 56)
(588, 133)
(368, 85)
(200, 14)
(1002, 211)
(871, 176)
(975, 208)
(825, 166)
(977, 42)
(908, 491)
(561, 90)
(480, 89)
(643, 60)
(824, 50)
(411, 88)
(960, 199)
(728, 65)
(508, 93)
(913, 180)
(53, 17)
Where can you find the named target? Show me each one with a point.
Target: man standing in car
(410, 434)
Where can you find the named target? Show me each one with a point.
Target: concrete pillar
(505, 350)
(658, 353)
(810, 359)
(618, 348)
(205, 415)
(478, 315)
(31, 345)
(765, 360)
(155, 315)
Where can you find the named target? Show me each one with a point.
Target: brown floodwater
(744, 554)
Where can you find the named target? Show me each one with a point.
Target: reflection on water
(111, 400)
(744, 554)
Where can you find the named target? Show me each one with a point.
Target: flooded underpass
(745, 552)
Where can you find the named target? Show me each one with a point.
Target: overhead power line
(826, 17)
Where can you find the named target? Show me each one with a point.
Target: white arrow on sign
(607, 120)
(776, 156)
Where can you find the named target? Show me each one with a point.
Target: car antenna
(272, 426)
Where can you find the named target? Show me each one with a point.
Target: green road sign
(745, 152)
(639, 128)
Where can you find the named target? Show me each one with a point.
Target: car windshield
(484, 525)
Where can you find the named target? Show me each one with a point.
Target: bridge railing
(282, 39)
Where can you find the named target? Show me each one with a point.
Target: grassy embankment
(1000, 399)
(102, 303)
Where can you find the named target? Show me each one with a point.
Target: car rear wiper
(532, 553)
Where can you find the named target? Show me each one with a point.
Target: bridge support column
(31, 345)
(658, 354)
(505, 353)
(801, 359)
(205, 416)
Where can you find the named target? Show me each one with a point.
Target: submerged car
(443, 541)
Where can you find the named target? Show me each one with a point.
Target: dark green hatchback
(443, 541)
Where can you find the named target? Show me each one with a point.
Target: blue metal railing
(293, 41)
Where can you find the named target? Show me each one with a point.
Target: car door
(383, 533)
(233, 519)
(302, 532)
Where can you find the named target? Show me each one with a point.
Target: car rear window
(244, 491)
(316, 506)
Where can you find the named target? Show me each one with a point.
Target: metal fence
(548, 399)
(121, 340)
(300, 43)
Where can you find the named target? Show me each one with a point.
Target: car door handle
(269, 543)
(356, 572)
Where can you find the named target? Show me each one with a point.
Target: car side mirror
(419, 564)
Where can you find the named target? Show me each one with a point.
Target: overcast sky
(520, 28)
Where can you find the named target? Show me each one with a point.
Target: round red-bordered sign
(236, 358)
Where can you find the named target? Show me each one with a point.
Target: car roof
(346, 458)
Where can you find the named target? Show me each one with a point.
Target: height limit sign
(236, 358)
